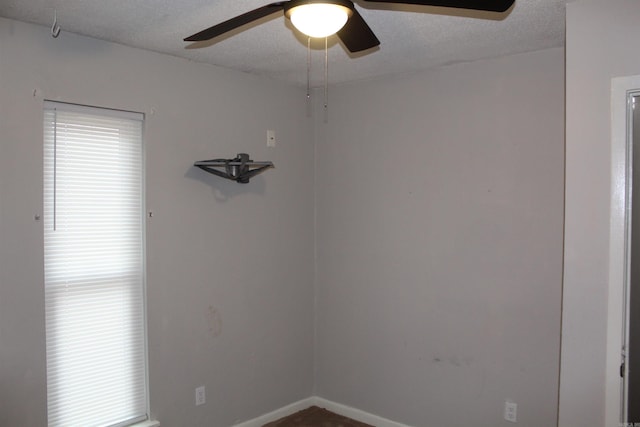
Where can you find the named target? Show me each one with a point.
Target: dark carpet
(316, 417)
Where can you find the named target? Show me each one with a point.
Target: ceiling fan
(322, 18)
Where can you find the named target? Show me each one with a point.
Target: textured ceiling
(412, 37)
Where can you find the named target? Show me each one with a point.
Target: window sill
(148, 423)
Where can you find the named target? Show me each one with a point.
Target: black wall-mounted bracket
(241, 169)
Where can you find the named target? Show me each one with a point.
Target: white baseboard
(338, 408)
(355, 414)
(278, 413)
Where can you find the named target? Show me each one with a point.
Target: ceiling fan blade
(488, 5)
(356, 34)
(236, 22)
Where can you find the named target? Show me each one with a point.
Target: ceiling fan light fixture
(319, 19)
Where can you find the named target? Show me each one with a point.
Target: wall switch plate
(200, 396)
(271, 138)
(511, 411)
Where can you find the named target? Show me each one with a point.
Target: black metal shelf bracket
(241, 169)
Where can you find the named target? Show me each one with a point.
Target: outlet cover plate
(200, 396)
(511, 411)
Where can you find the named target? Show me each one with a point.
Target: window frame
(143, 419)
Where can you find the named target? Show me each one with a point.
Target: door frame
(622, 89)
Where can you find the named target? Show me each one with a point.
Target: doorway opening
(623, 330)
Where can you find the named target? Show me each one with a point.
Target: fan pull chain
(326, 80)
(308, 76)
(308, 68)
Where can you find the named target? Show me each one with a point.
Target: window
(94, 266)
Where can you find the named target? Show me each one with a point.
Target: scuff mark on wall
(214, 322)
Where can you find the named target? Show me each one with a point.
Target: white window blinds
(94, 266)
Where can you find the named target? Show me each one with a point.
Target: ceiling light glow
(319, 19)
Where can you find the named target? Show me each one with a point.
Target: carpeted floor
(316, 417)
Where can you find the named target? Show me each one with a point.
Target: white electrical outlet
(271, 138)
(200, 396)
(511, 411)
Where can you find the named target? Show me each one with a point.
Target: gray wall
(439, 241)
(438, 221)
(230, 267)
(601, 35)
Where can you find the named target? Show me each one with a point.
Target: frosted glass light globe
(319, 19)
